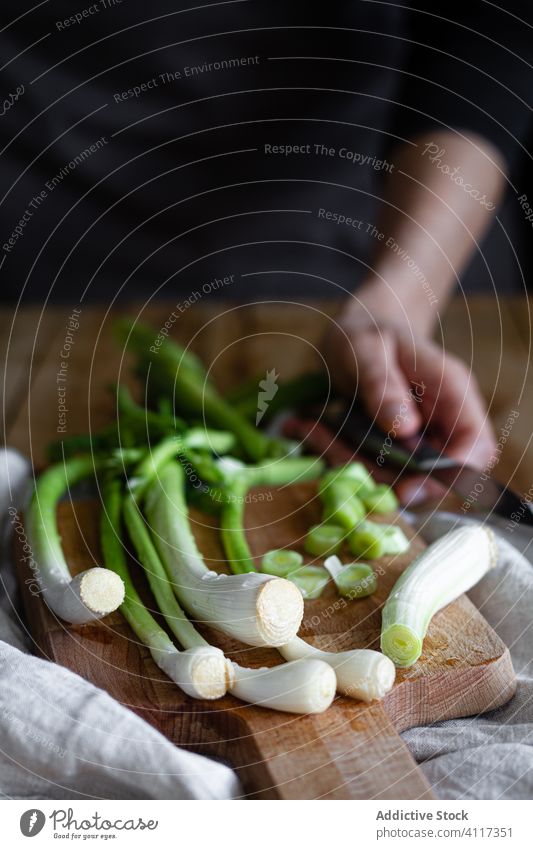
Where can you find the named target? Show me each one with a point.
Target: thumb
(382, 385)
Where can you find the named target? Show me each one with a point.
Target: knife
(416, 455)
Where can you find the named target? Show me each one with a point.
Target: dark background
(182, 191)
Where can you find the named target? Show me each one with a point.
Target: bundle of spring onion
(151, 464)
(202, 671)
(361, 674)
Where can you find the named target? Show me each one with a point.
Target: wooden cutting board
(353, 750)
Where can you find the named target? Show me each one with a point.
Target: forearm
(439, 202)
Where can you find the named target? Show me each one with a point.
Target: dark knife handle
(415, 454)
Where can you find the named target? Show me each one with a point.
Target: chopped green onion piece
(394, 540)
(356, 580)
(322, 540)
(381, 500)
(359, 476)
(367, 542)
(356, 474)
(341, 506)
(281, 562)
(373, 539)
(310, 580)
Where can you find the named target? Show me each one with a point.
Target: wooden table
(240, 341)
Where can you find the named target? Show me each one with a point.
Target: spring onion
(259, 610)
(301, 686)
(93, 593)
(361, 673)
(445, 570)
(322, 540)
(355, 580)
(281, 562)
(201, 671)
(310, 580)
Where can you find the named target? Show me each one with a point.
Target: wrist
(399, 305)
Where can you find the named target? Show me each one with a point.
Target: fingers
(367, 362)
(452, 404)
(407, 384)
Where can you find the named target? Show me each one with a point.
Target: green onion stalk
(201, 671)
(257, 609)
(443, 572)
(91, 594)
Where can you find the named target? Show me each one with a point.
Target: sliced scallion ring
(281, 562)
(367, 541)
(382, 499)
(394, 540)
(322, 540)
(310, 580)
(356, 580)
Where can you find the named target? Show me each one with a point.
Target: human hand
(407, 383)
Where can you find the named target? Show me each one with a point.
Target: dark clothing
(140, 139)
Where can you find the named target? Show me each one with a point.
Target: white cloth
(489, 756)
(63, 738)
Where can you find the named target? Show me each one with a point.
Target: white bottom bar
(245, 824)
